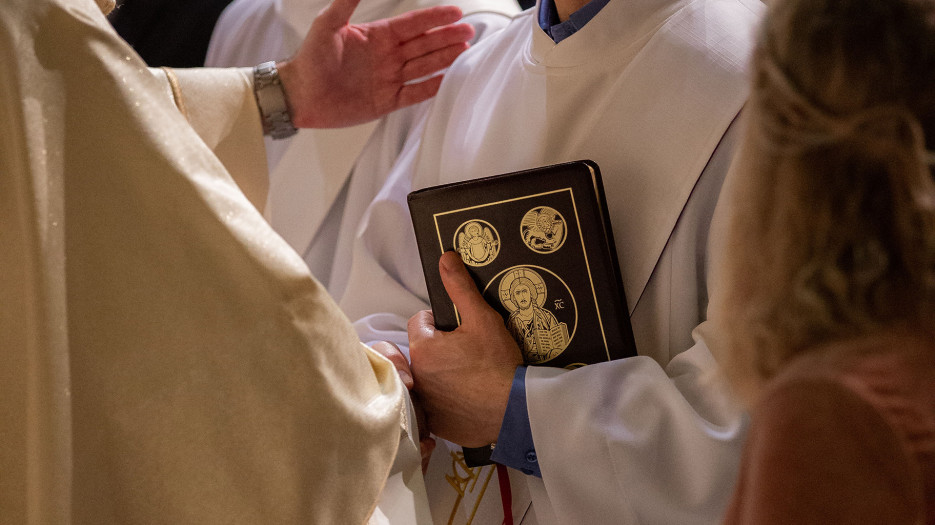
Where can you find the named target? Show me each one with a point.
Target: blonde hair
(832, 232)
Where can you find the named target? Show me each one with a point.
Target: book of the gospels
(539, 246)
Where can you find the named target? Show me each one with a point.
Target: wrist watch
(271, 99)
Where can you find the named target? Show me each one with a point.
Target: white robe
(164, 356)
(647, 89)
(308, 171)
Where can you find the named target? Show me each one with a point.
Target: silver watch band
(271, 99)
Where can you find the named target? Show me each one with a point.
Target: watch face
(265, 75)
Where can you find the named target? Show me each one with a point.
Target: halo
(506, 281)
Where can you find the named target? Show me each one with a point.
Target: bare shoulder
(817, 440)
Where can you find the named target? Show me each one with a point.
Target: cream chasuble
(649, 90)
(164, 356)
(309, 170)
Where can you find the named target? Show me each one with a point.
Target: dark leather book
(538, 244)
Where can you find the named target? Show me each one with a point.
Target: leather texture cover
(539, 246)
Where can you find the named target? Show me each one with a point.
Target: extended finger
(412, 24)
(415, 93)
(428, 64)
(391, 352)
(435, 39)
(338, 13)
(462, 290)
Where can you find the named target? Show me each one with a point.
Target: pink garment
(845, 434)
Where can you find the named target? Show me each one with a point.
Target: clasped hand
(463, 377)
(460, 380)
(346, 74)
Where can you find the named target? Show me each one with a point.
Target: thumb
(339, 12)
(461, 288)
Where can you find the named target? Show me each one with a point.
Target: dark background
(172, 33)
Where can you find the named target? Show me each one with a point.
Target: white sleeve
(638, 443)
(648, 439)
(249, 32)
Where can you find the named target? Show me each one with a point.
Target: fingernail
(447, 264)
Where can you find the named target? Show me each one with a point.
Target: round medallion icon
(543, 229)
(537, 331)
(478, 242)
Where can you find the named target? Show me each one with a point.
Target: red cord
(506, 494)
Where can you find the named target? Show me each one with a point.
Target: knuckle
(414, 323)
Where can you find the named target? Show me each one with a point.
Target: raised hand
(463, 377)
(346, 74)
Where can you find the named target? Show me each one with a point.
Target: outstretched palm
(345, 74)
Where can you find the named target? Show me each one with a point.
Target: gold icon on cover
(543, 229)
(540, 335)
(478, 242)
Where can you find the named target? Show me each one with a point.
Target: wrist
(494, 399)
(294, 90)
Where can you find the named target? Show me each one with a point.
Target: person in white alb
(164, 356)
(308, 172)
(649, 90)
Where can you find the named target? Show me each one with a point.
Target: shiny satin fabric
(164, 356)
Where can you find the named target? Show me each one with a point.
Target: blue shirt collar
(558, 30)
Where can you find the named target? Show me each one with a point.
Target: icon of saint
(539, 333)
(477, 244)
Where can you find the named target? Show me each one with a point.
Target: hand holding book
(464, 376)
(540, 252)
